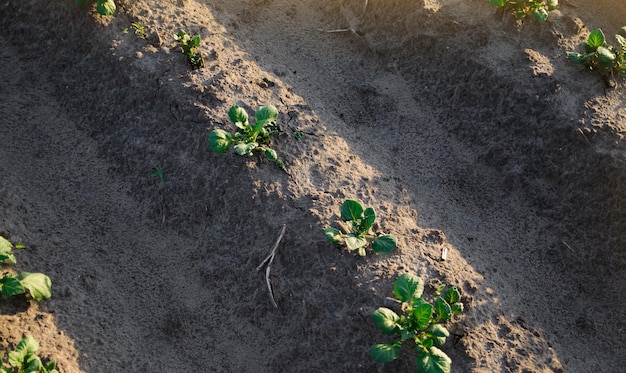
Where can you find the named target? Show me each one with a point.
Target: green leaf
(333, 235)
(385, 244)
(622, 31)
(426, 342)
(32, 364)
(219, 141)
(438, 334)
(270, 154)
(182, 37)
(576, 57)
(540, 15)
(497, 3)
(351, 210)
(105, 7)
(38, 284)
(259, 124)
(6, 252)
(406, 334)
(621, 40)
(387, 320)
(457, 308)
(422, 315)
(28, 344)
(442, 309)
(385, 352)
(433, 361)
(196, 61)
(245, 149)
(17, 357)
(552, 4)
(11, 285)
(369, 216)
(452, 295)
(596, 38)
(24, 356)
(267, 113)
(606, 58)
(51, 367)
(237, 114)
(587, 48)
(355, 243)
(408, 287)
(195, 42)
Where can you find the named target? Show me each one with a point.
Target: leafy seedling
(140, 29)
(158, 173)
(24, 359)
(189, 47)
(103, 7)
(360, 237)
(298, 135)
(38, 285)
(419, 321)
(249, 137)
(538, 9)
(599, 56)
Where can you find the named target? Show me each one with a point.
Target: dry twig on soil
(269, 259)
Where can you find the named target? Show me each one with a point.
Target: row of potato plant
(37, 286)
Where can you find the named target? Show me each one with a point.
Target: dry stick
(568, 246)
(582, 133)
(351, 30)
(269, 260)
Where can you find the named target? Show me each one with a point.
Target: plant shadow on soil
(326, 296)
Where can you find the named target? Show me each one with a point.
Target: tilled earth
(464, 129)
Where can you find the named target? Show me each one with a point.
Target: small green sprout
(249, 137)
(522, 8)
(189, 45)
(599, 56)
(420, 321)
(158, 173)
(140, 29)
(38, 285)
(360, 237)
(24, 360)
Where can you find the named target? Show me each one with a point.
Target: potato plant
(140, 29)
(249, 137)
(38, 285)
(538, 9)
(597, 55)
(420, 321)
(103, 7)
(189, 47)
(361, 221)
(24, 359)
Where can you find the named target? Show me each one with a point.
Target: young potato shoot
(420, 321)
(359, 237)
(249, 137)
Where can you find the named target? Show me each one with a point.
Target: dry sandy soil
(464, 129)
